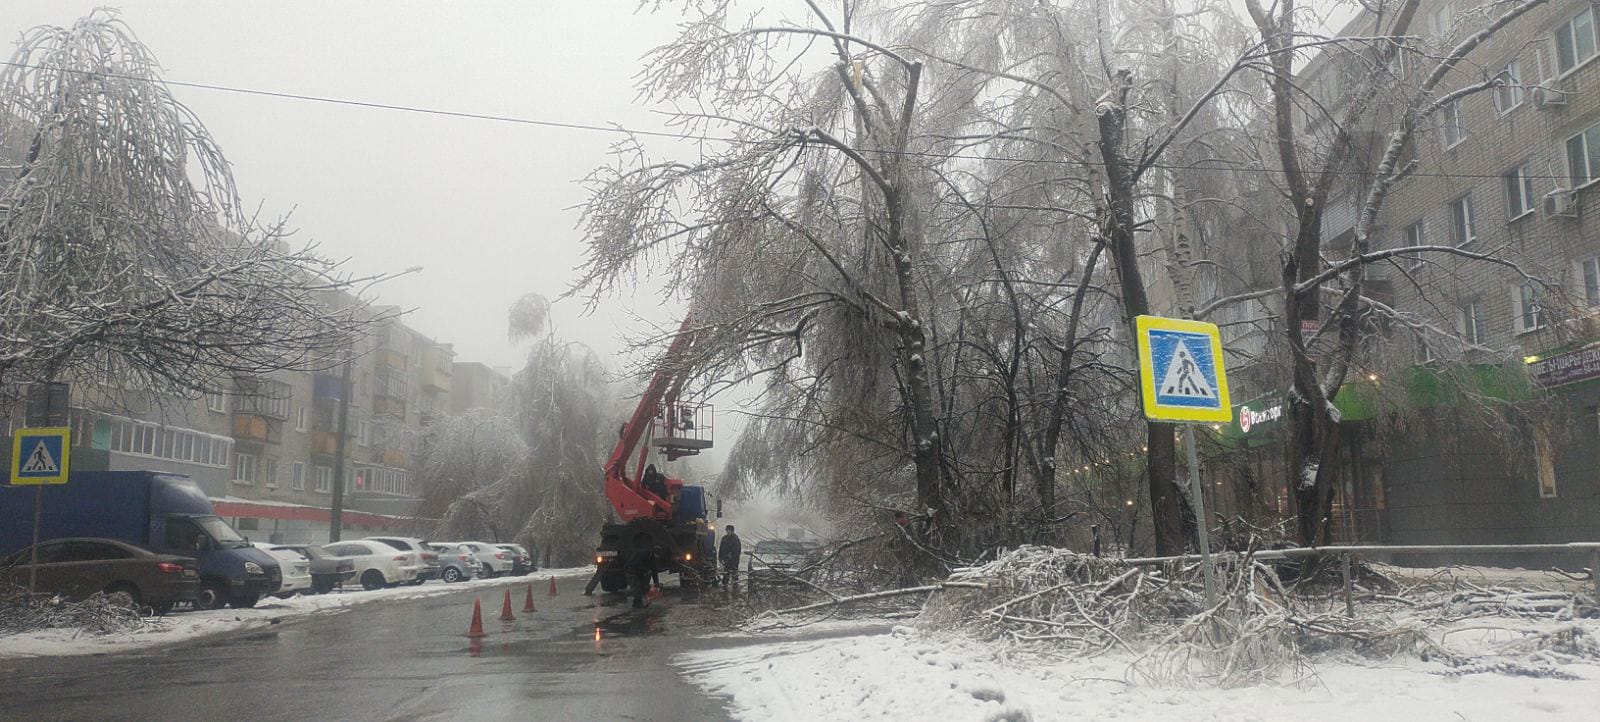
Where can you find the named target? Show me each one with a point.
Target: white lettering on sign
(1249, 417)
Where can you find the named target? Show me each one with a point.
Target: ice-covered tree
(126, 254)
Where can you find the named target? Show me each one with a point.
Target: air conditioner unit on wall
(1561, 202)
(1547, 97)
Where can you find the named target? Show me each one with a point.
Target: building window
(1575, 40)
(216, 401)
(1453, 124)
(1508, 94)
(1589, 271)
(1443, 21)
(297, 476)
(1583, 156)
(244, 469)
(143, 438)
(363, 432)
(1529, 310)
(1416, 235)
(269, 472)
(325, 479)
(1470, 320)
(1519, 192)
(1463, 229)
(247, 523)
(300, 419)
(1424, 350)
(1544, 463)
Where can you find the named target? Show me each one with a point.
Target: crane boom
(628, 496)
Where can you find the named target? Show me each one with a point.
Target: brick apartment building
(1473, 418)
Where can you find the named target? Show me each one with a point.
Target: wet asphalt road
(576, 658)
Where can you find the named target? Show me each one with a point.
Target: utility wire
(617, 129)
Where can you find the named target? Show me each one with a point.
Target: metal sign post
(1182, 380)
(39, 457)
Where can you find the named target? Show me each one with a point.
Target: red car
(79, 568)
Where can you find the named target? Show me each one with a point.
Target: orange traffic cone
(505, 609)
(552, 586)
(476, 630)
(527, 605)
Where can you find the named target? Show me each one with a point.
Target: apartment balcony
(395, 457)
(390, 358)
(435, 379)
(324, 442)
(389, 406)
(257, 428)
(329, 386)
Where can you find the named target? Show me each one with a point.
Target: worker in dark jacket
(641, 569)
(728, 555)
(654, 481)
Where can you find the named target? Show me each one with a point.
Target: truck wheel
(614, 581)
(451, 575)
(373, 579)
(213, 595)
(243, 601)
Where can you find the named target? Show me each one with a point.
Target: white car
(429, 557)
(495, 561)
(296, 570)
(377, 565)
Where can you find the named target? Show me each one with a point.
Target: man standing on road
(728, 554)
(641, 572)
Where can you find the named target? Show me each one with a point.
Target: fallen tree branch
(883, 595)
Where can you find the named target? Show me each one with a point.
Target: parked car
(521, 561)
(377, 565)
(457, 563)
(775, 561)
(496, 561)
(327, 571)
(78, 568)
(296, 570)
(430, 558)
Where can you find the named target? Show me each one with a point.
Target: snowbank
(184, 626)
(908, 674)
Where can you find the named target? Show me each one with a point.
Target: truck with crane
(676, 520)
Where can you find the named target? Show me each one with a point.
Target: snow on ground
(910, 674)
(186, 625)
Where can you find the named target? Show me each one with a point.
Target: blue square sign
(40, 456)
(1180, 370)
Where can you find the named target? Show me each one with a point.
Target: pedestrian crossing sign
(40, 456)
(1180, 370)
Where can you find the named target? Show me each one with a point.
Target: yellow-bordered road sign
(40, 456)
(1180, 370)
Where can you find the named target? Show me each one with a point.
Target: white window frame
(297, 477)
(1589, 173)
(1568, 26)
(269, 472)
(1588, 278)
(300, 418)
(1442, 22)
(1463, 225)
(1469, 321)
(324, 479)
(1520, 296)
(1424, 350)
(216, 401)
(1455, 117)
(1518, 186)
(1419, 238)
(244, 469)
(1509, 95)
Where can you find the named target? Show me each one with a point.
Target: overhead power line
(620, 130)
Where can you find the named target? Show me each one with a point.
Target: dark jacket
(642, 562)
(730, 549)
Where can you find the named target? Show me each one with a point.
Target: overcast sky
(485, 208)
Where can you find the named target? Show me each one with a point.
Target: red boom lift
(678, 522)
